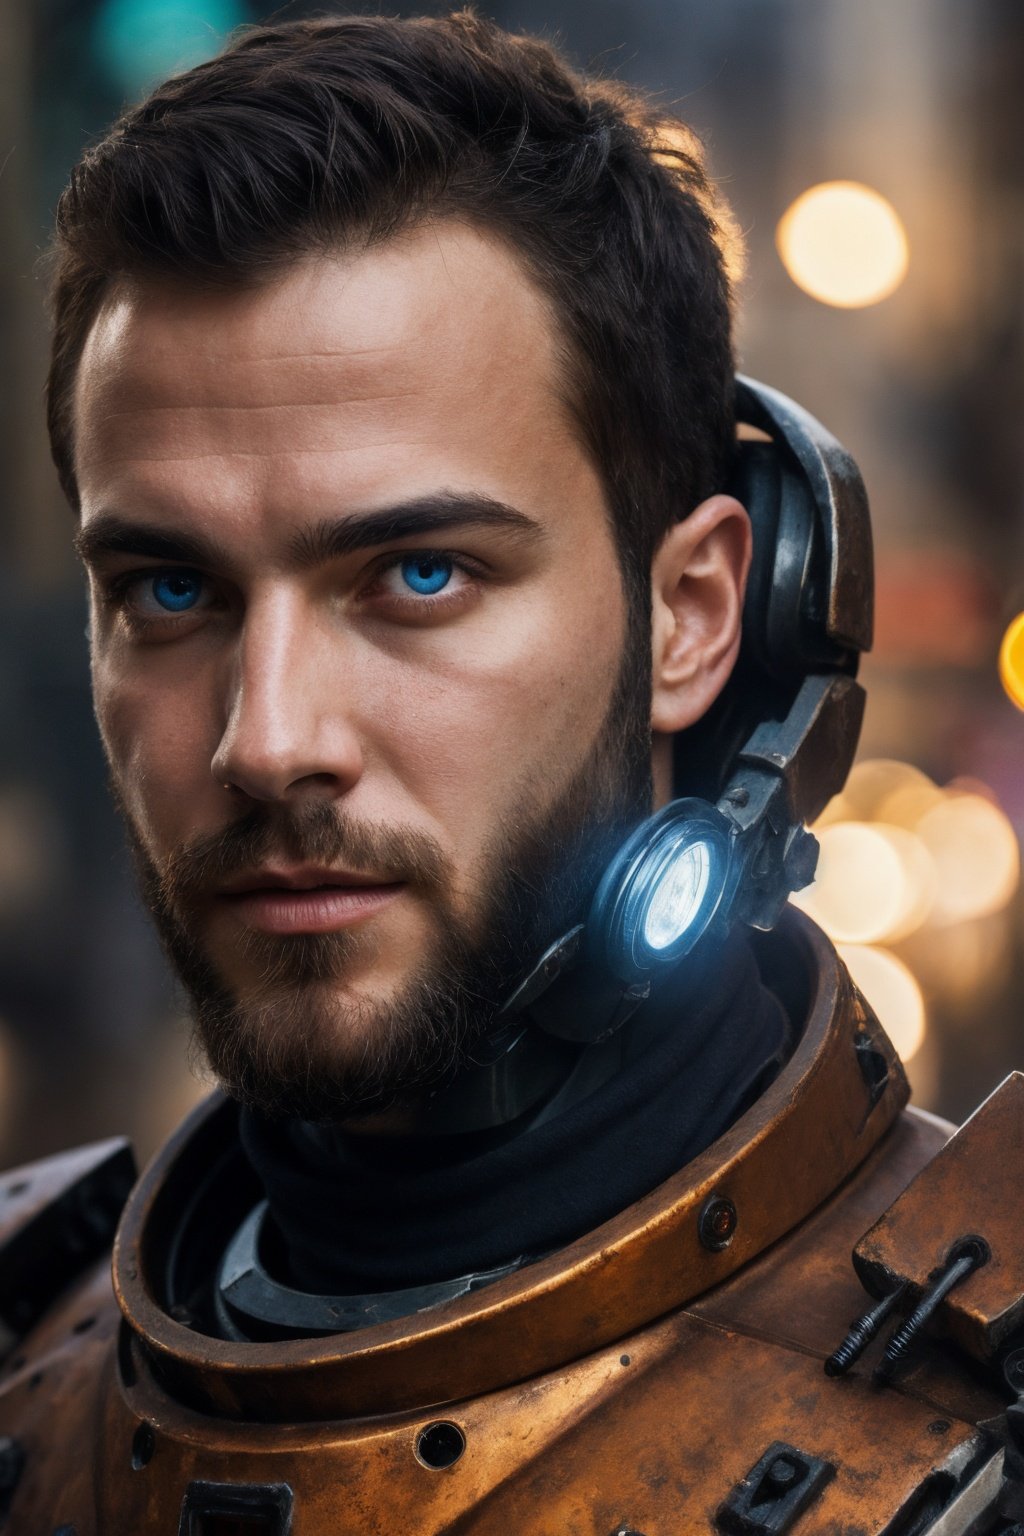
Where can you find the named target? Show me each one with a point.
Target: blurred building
(918, 101)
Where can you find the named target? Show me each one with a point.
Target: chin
(329, 1050)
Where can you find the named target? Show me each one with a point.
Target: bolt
(717, 1224)
(970, 1254)
(782, 1474)
(862, 1331)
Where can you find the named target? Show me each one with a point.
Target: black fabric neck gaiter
(372, 1214)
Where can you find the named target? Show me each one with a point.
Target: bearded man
(393, 392)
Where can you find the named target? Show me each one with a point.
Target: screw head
(717, 1224)
(782, 1473)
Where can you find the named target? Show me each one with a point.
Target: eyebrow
(331, 538)
(328, 539)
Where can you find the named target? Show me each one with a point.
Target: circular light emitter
(678, 896)
(661, 891)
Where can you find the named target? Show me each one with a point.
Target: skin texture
(350, 385)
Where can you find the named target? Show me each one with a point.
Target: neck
(368, 1215)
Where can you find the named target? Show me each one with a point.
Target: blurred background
(874, 155)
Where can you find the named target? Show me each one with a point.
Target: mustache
(312, 833)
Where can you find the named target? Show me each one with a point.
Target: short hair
(305, 136)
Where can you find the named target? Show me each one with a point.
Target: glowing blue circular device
(661, 890)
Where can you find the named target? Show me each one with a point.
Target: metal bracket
(774, 1493)
(209, 1508)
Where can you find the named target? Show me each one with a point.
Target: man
(392, 389)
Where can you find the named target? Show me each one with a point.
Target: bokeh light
(930, 870)
(875, 884)
(893, 992)
(139, 42)
(1011, 661)
(844, 244)
(976, 857)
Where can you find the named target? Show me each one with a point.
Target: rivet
(717, 1224)
(440, 1445)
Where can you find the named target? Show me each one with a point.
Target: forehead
(432, 354)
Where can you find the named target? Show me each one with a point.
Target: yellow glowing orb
(976, 857)
(893, 992)
(1011, 661)
(844, 244)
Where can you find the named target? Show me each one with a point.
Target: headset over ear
(777, 745)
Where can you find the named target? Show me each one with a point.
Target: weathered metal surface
(56, 1216)
(651, 1434)
(628, 1384)
(974, 1187)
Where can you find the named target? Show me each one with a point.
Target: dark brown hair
(307, 135)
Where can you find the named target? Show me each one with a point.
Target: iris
(426, 574)
(177, 591)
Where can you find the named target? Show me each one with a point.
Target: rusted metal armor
(688, 1367)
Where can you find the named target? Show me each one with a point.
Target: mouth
(306, 900)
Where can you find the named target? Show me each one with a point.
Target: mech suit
(688, 1366)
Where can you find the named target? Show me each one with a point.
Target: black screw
(862, 1331)
(964, 1256)
(717, 1224)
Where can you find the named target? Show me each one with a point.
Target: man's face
(358, 638)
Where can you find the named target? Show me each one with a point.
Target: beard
(293, 1043)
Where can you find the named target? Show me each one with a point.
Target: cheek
(511, 710)
(158, 753)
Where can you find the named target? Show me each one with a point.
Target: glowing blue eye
(177, 591)
(426, 574)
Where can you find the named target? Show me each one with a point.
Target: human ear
(698, 578)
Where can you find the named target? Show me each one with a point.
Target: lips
(306, 900)
(306, 878)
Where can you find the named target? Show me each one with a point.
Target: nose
(288, 730)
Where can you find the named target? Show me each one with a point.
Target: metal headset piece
(776, 746)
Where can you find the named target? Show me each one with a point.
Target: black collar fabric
(358, 1215)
